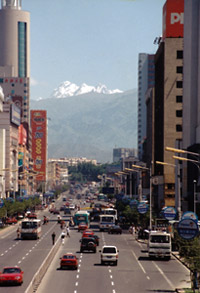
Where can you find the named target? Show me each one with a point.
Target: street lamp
(150, 193)
(194, 181)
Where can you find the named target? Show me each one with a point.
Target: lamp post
(150, 192)
(194, 181)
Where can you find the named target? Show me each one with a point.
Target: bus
(106, 221)
(111, 211)
(31, 229)
(81, 216)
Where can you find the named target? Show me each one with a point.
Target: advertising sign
(190, 215)
(39, 142)
(142, 207)
(169, 213)
(173, 19)
(15, 114)
(188, 229)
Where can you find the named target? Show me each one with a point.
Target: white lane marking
(148, 278)
(111, 276)
(114, 291)
(77, 276)
(76, 284)
(112, 283)
(19, 261)
(138, 262)
(163, 274)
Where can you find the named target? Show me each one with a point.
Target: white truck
(159, 245)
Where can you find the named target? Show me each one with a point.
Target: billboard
(39, 142)
(22, 135)
(173, 19)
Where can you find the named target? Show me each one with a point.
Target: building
(191, 97)
(15, 52)
(9, 123)
(145, 81)
(122, 153)
(168, 99)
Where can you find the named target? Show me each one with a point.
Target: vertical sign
(39, 142)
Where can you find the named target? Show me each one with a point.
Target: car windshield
(86, 240)
(69, 257)
(109, 250)
(160, 239)
(11, 270)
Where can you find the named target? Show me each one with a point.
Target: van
(109, 254)
(159, 245)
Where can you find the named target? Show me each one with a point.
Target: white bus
(111, 211)
(106, 221)
(31, 229)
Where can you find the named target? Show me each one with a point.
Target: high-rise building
(145, 81)
(191, 98)
(168, 99)
(15, 53)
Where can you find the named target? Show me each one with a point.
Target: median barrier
(43, 268)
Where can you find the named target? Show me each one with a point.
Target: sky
(90, 41)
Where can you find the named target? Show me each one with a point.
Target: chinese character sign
(39, 142)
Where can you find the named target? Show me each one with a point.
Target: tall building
(122, 153)
(191, 96)
(15, 53)
(145, 81)
(168, 99)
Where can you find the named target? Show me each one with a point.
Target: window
(179, 54)
(22, 49)
(179, 99)
(178, 127)
(179, 113)
(179, 69)
(1, 80)
(179, 84)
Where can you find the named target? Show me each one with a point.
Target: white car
(72, 206)
(109, 254)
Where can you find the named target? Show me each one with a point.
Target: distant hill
(90, 125)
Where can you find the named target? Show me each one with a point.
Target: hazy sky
(90, 41)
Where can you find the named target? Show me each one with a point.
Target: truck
(159, 245)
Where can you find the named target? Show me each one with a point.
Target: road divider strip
(43, 268)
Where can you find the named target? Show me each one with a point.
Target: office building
(15, 52)
(168, 100)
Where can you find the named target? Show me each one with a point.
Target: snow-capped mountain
(69, 89)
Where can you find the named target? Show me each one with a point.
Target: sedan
(69, 260)
(115, 230)
(11, 275)
(82, 226)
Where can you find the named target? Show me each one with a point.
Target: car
(116, 229)
(109, 254)
(87, 232)
(82, 226)
(69, 260)
(95, 237)
(72, 206)
(11, 275)
(11, 220)
(89, 244)
(67, 211)
(32, 216)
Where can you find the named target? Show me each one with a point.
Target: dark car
(115, 230)
(95, 237)
(89, 244)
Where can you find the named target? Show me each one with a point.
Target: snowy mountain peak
(69, 89)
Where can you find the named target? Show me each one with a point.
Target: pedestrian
(63, 234)
(67, 229)
(53, 235)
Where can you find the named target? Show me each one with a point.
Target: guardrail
(43, 268)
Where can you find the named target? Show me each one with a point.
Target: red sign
(173, 19)
(39, 142)
(22, 135)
